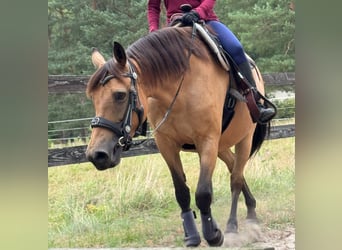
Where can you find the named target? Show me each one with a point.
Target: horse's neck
(162, 91)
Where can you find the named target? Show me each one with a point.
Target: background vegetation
(265, 28)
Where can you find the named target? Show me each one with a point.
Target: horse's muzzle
(103, 159)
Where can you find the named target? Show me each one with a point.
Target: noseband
(122, 128)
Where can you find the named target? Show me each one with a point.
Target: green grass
(133, 205)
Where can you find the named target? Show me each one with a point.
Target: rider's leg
(265, 113)
(234, 48)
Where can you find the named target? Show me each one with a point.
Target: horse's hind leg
(182, 192)
(238, 183)
(228, 158)
(211, 232)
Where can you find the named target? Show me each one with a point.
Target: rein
(123, 128)
(168, 111)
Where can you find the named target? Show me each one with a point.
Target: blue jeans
(229, 41)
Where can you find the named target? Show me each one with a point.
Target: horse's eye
(120, 96)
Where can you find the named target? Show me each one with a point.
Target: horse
(173, 80)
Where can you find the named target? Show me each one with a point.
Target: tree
(77, 26)
(266, 30)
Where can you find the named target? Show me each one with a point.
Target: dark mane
(159, 55)
(109, 68)
(165, 53)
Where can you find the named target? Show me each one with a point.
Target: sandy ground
(252, 236)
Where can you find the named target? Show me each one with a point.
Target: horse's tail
(260, 133)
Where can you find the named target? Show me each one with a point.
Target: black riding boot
(266, 113)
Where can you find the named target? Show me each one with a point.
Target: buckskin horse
(172, 79)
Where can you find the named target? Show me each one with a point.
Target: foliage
(285, 108)
(65, 107)
(77, 26)
(265, 28)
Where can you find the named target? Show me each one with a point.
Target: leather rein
(123, 128)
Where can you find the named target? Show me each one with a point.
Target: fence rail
(77, 84)
(72, 155)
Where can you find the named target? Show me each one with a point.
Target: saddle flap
(207, 37)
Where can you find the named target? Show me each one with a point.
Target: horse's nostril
(100, 159)
(100, 156)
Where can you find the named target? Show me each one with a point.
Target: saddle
(239, 88)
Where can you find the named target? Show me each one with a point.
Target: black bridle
(123, 128)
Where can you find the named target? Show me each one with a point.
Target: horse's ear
(96, 58)
(119, 54)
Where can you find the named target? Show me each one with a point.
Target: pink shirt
(205, 9)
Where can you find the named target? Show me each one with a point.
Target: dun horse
(171, 78)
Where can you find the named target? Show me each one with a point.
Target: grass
(133, 205)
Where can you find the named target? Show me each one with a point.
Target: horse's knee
(183, 197)
(182, 191)
(203, 200)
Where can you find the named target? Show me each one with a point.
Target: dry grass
(133, 205)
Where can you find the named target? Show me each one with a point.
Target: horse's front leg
(182, 192)
(204, 194)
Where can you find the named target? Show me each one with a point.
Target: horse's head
(118, 112)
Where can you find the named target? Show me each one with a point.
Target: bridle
(123, 128)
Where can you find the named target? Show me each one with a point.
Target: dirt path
(251, 236)
(278, 239)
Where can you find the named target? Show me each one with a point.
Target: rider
(204, 10)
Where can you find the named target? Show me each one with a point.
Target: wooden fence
(72, 155)
(77, 84)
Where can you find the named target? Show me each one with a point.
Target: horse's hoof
(252, 220)
(231, 228)
(218, 240)
(192, 241)
(212, 234)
